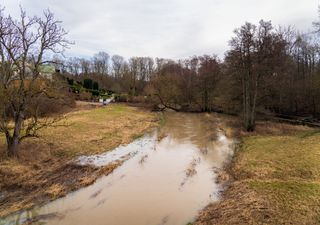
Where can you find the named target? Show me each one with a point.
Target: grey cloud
(167, 28)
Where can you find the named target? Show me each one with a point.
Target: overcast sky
(163, 28)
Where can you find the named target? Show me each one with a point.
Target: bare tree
(316, 24)
(209, 74)
(101, 63)
(134, 74)
(73, 65)
(255, 55)
(85, 66)
(23, 45)
(117, 66)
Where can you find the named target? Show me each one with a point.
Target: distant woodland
(268, 70)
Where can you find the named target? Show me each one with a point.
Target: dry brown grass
(269, 128)
(277, 179)
(232, 128)
(44, 169)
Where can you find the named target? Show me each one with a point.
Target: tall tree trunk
(246, 106)
(14, 139)
(253, 109)
(205, 107)
(249, 102)
(12, 147)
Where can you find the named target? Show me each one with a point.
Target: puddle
(162, 182)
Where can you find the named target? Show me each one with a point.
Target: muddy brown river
(168, 176)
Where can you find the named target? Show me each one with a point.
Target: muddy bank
(45, 169)
(46, 185)
(167, 177)
(273, 179)
(238, 205)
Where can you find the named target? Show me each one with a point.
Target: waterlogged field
(167, 177)
(45, 168)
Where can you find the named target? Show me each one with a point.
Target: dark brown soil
(49, 180)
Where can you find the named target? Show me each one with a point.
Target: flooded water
(163, 181)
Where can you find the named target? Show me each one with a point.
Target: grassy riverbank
(276, 180)
(44, 170)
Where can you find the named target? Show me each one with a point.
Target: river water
(168, 176)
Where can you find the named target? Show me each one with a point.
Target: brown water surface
(164, 181)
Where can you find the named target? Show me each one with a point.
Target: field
(276, 180)
(45, 170)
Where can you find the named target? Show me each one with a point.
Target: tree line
(267, 70)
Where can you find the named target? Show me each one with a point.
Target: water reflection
(163, 182)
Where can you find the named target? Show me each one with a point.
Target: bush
(138, 99)
(85, 96)
(88, 83)
(121, 97)
(95, 92)
(70, 81)
(76, 88)
(105, 96)
(48, 106)
(95, 85)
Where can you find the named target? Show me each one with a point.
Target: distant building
(47, 71)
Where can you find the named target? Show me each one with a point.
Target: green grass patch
(309, 133)
(288, 190)
(284, 170)
(281, 157)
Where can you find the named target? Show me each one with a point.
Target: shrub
(138, 99)
(121, 97)
(95, 92)
(88, 83)
(70, 81)
(84, 95)
(95, 86)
